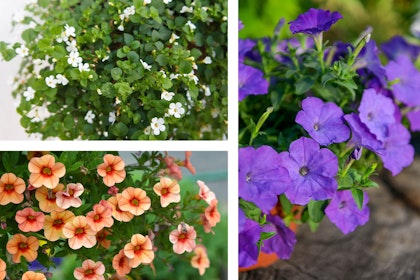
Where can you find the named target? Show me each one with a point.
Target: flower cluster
(328, 117)
(119, 220)
(142, 70)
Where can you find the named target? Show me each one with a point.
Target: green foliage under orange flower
(117, 218)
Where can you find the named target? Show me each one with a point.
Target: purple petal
(314, 21)
(283, 242)
(248, 238)
(251, 81)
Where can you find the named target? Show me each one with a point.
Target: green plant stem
(261, 121)
(347, 168)
(320, 50)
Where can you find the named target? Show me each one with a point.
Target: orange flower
(117, 213)
(70, 198)
(54, 224)
(187, 162)
(101, 238)
(112, 170)
(101, 216)
(32, 154)
(47, 198)
(120, 263)
(20, 245)
(206, 224)
(2, 269)
(172, 169)
(200, 260)
(45, 171)
(32, 275)
(168, 190)
(212, 214)
(11, 189)
(134, 200)
(205, 193)
(90, 270)
(29, 220)
(79, 233)
(183, 238)
(139, 250)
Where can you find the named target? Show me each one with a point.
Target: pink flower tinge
(90, 270)
(29, 221)
(187, 163)
(2, 269)
(47, 198)
(112, 170)
(11, 189)
(183, 238)
(121, 263)
(70, 197)
(205, 193)
(134, 200)
(212, 214)
(200, 259)
(168, 190)
(32, 275)
(172, 169)
(101, 216)
(79, 233)
(117, 213)
(45, 171)
(139, 250)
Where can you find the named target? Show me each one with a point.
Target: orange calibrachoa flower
(112, 170)
(134, 200)
(47, 198)
(120, 263)
(90, 270)
(183, 238)
(139, 250)
(168, 190)
(205, 193)
(45, 171)
(212, 214)
(29, 220)
(54, 224)
(32, 275)
(11, 189)
(2, 269)
(70, 197)
(200, 260)
(20, 245)
(117, 213)
(206, 224)
(101, 238)
(79, 233)
(101, 216)
(32, 154)
(187, 163)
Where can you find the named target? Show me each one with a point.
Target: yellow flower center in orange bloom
(46, 171)
(135, 202)
(96, 217)
(51, 195)
(9, 187)
(137, 248)
(57, 222)
(79, 231)
(71, 192)
(89, 272)
(23, 245)
(30, 217)
(182, 236)
(164, 191)
(108, 168)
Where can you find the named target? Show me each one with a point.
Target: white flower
(83, 67)
(60, 79)
(18, 16)
(207, 91)
(147, 2)
(167, 1)
(117, 100)
(71, 46)
(163, 73)
(215, 112)
(176, 110)
(194, 66)
(51, 81)
(173, 38)
(63, 37)
(69, 31)
(129, 11)
(120, 27)
(112, 117)
(38, 113)
(90, 117)
(207, 60)
(145, 65)
(22, 51)
(191, 25)
(105, 58)
(173, 76)
(99, 91)
(74, 59)
(186, 9)
(147, 130)
(167, 95)
(157, 125)
(192, 76)
(29, 94)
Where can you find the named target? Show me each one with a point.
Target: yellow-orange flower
(183, 238)
(79, 233)
(70, 197)
(117, 213)
(168, 190)
(90, 270)
(134, 200)
(47, 198)
(101, 238)
(212, 214)
(11, 189)
(45, 171)
(2, 269)
(112, 170)
(101, 216)
(20, 245)
(200, 260)
(29, 220)
(54, 224)
(120, 263)
(139, 250)
(187, 162)
(32, 275)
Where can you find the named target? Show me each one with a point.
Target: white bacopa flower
(167, 1)
(145, 65)
(38, 113)
(207, 60)
(194, 66)
(191, 25)
(147, 2)
(69, 31)
(163, 73)
(147, 130)
(173, 76)
(99, 91)
(176, 110)
(157, 125)
(51, 81)
(215, 112)
(167, 95)
(60, 79)
(105, 58)
(129, 11)
(120, 27)
(29, 94)
(117, 100)
(71, 46)
(22, 51)
(74, 59)
(186, 9)
(207, 91)
(192, 77)
(83, 67)
(90, 117)
(173, 38)
(111, 117)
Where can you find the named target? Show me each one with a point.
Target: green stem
(261, 121)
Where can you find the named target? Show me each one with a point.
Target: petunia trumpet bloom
(134, 200)
(54, 224)
(200, 259)
(139, 250)
(101, 216)
(29, 221)
(32, 275)
(212, 214)
(117, 213)
(47, 198)
(314, 21)
(11, 189)
(205, 193)
(2, 269)
(45, 171)
(183, 238)
(90, 270)
(20, 245)
(168, 190)
(112, 170)
(120, 263)
(70, 197)
(79, 233)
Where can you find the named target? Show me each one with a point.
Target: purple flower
(261, 177)
(311, 170)
(251, 81)
(414, 118)
(361, 136)
(245, 46)
(314, 21)
(323, 121)
(293, 43)
(248, 238)
(283, 242)
(344, 213)
(397, 45)
(369, 60)
(376, 112)
(240, 25)
(407, 89)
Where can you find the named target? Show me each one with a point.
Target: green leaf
(358, 196)
(303, 85)
(316, 209)
(116, 73)
(119, 129)
(285, 204)
(185, 67)
(29, 35)
(250, 210)
(9, 160)
(267, 235)
(162, 59)
(133, 57)
(128, 38)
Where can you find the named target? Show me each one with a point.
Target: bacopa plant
(317, 119)
(120, 221)
(140, 70)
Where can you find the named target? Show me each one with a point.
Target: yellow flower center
(182, 236)
(30, 217)
(58, 222)
(96, 217)
(23, 245)
(9, 187)
(46, 171)
(89, 271)
(79, 231)
(108, 169)
(164, 191)
(135, 202)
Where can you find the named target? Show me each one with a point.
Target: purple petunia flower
(300, 47)
(361, 136)
(283, 242)
(397, 45)
(323, 121)
(314, 21)
(311, 171)
(261, 177)
(344, 213)
(251, 81)
(370, 62)
(414, 118)
(240, 25)
(407, 89)
(376, 112)
(248, 238)
(244, 47)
